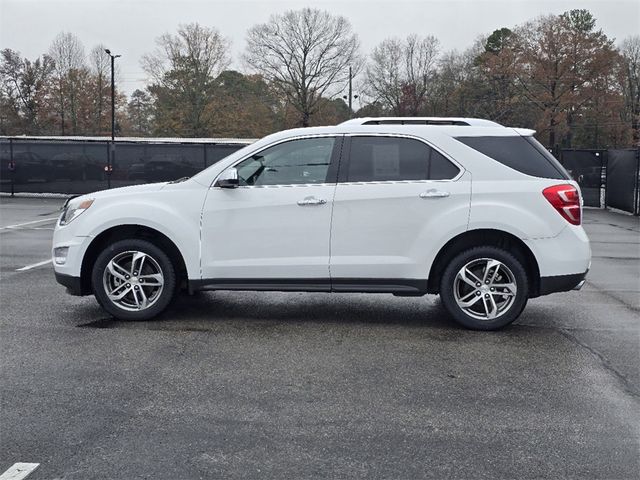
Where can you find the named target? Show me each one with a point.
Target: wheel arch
(485, 237)
(131, 231)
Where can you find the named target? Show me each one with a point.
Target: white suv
(480, 213)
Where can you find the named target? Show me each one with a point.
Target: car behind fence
(75, 165)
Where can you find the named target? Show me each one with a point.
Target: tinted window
(296, 162)
(523, 154)
(379, 159)
(440, 168)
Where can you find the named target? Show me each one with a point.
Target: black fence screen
(81, 166)
(588, 168)
(75, 166)
(62, 167)
(623, 170)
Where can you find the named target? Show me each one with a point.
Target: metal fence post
(112, 159)
(204, 149)
(605, 169)
(637, 184)
(12, 166)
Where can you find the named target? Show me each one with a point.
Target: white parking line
(18, 471)
(18, 225)
(29, 267)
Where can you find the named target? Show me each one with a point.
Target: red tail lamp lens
(566, 200)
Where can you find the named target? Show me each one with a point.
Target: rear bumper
(564, 255)
(73, 284)
(561, 283)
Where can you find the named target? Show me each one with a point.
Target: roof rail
(448, 121)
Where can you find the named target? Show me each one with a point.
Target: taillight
(566, 200)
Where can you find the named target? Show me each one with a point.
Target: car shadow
(204, 310)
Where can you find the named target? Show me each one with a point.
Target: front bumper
(73, 284)
(69, 271)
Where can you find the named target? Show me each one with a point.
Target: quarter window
(524, 154)
(440, 168)
(379, 159)
(292, 163)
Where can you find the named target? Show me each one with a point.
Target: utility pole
(350, 97)
(112, 153)
(350, 91)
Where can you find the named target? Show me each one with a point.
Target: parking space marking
(18, 471)
(19, 225)
(29, 267)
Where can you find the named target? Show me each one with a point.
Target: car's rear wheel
(133, 279)
(484, 288)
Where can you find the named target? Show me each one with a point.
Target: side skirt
(403, 287)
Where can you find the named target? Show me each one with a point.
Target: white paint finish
(264, 233)
(20, 225)
(382, 230)
(515, 206)
(34, 265)
(172, 209)
(64, 237)
(567, 253)
(387, 230)
(19, 471)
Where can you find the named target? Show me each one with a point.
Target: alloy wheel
(133, 280)
(485, 289)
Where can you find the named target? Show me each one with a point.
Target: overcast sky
(130, 27)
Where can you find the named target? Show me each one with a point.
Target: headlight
(73, 209)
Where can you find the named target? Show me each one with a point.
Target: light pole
(350, 97)
(112, 152)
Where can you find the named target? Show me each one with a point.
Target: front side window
(296, 162)
(379, 159)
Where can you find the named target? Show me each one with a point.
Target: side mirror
(228, 179)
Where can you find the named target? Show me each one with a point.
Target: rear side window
(379, 159)
(524, 154)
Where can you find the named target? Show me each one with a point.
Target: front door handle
(311, 201)
(433, 193)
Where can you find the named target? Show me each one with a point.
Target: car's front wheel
(133, 279)
(484, 288)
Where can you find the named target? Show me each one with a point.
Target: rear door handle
(433, 193)
(311, 201)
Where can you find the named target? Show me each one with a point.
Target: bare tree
(450, 96)
(630, 50)
(202, 51)
(68, 54)
(304, 53)
(100, 68)
(183, 69)
(400, 73)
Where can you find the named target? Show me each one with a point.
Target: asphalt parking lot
(288, 385)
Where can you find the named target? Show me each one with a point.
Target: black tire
(512, 307)
(159, 259)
